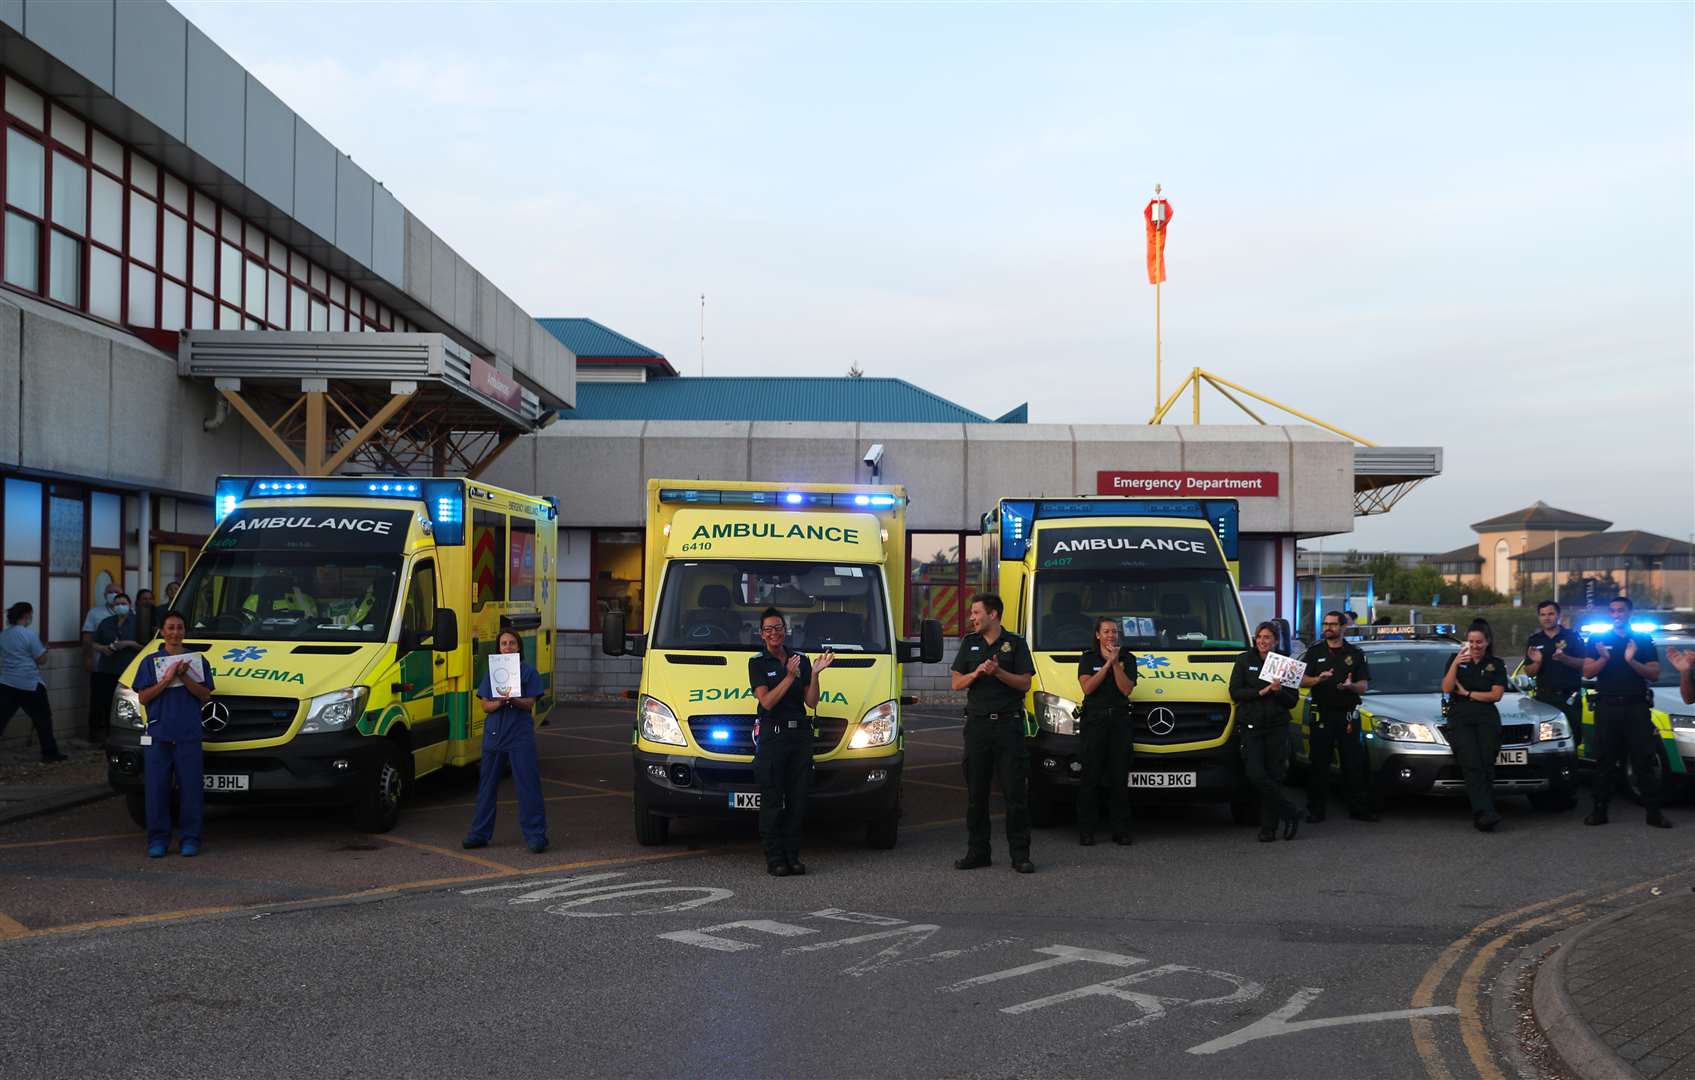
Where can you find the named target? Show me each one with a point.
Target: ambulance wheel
(652, 829)
(1043, 811)
(1660, 776)
(136, 803)
(1244, 811)
(1554, 800)
(378, 806)
(882, 831)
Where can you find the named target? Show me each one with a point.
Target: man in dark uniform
(786, 685)
(1624, 664)
(1554, 657)
(1336, 677)
(994, 668)
(1107, 675)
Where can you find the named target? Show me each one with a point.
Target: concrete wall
(953, 472)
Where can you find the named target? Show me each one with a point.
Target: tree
(855, 371)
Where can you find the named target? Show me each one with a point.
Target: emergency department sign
(1126, 547)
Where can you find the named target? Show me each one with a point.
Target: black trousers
(101, 689)
(1625, 730)
(1475, 743)
(35, 706)
(1107, 743)
(994, 752)
(1330, 732)
(1265, 758)
(782, 767)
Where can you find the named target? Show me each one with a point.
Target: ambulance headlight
(1681, 722)
(1057, 714)
(1549, 730)
(659, 723)
(877, 727)
(1402, 731)
(127, 711)
(334, 712)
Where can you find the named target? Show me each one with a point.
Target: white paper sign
(165, 662)
(1279, 668)
(505, 675)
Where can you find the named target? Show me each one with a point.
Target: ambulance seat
(712, 623)
(833, 627)
(1066, 627)
(1175, 619)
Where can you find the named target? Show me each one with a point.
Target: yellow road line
(11, 928)
(138, 836)
(433, 849)
(933, 765)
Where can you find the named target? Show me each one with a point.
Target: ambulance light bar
(1018, 516)
(1419, 632)
(1636, 627)
(794, 500)
(444, 500)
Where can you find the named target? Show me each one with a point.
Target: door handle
(440, 660)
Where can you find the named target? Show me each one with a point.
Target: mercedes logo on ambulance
(214, 716)
(1162, 721)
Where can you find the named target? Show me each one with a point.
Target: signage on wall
(1188, 485)
(487, 380)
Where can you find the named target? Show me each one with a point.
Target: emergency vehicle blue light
(1596, 627)
(794, 498)
(1644, 627)
(226, 503)
(720, 734)
(862, 500)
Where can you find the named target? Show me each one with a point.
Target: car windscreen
(1408, 671)
(716, 604)
(1669, 675)
(290, 596)
(1156, 609)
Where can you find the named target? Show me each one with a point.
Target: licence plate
(1162, 779)
(224, 782)
(1513, 757)
(744, 800)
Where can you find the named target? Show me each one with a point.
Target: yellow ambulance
(1165, 570)
(347, 621)
(832, 558)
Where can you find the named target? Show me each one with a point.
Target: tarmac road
(1195, 953)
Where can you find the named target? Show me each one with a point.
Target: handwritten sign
(505, 676)
(1283, 669)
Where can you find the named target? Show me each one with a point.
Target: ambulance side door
(423, 671)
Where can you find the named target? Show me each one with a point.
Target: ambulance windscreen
(717, 604)
(290, 596)
(1155, 609)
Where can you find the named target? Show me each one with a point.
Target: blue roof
(777, 397)
(585, 337)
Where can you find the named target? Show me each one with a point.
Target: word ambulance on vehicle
(347, 621)
(826, 555)
(1165, 570)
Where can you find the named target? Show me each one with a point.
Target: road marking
(708, 895)
(902, 940)
(859, 917)
(706, 938)
(586, 738)
(932, 783)
(1060, 954)
(434, 850)
(11, 928)
(137, 835)
(1278, 1021)
(1152, 1006)
(509, 802)
(579, 757)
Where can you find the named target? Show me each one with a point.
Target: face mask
(120, 609)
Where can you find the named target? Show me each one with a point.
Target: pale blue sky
(1464, 225)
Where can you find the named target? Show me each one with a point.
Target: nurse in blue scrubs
(509, 738)
(172, 743)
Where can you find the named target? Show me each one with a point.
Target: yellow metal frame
(1192, 383)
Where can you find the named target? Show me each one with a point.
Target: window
(143, 228)
(64, 282)
(488, 557)
(717, 603)
(24, 205)
(105, 286)
(571, 596)
(141, 285)
(941, 581)
(107, 216)
(617, 586)
(521, 564)
(419, 615)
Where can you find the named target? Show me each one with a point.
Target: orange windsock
(1158, 216)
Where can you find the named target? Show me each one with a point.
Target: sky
(1467, 226)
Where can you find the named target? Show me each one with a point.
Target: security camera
(874, 456)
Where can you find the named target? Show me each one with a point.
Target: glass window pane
(205, 259)
(141, 285)
(355, 302)
(255, 240)
(320, 315)
(173, 302)
(252, 324)
(105, 521)
(143, 174)
(338, 318)
(64, 608)
(277, 311)
(64, 269)
(107, 153)
(229, 227)
(23, 519)
(24, 583)
(296, 266)
(105, 285)
(205, 211)
(229, 274)
(143, 228)
(107, 217)
(338, 291)
(175, 260)
(279, 255)
(23, 171)
(296, 308)
(319, 280)
(22, 252)
(228, 318)
(70, 130)
(70, 194)
(200, 311)
(255, 302)
(23, 103)
(176, 194)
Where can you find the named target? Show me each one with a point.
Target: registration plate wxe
(1162, 779)
(744, 800)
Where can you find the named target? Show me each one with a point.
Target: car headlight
(127, 711)
(1549, 730)
(1682, 722)
(334, 711)
(1402, 731)
(1057, 714)
(877, 727)
(659, 723)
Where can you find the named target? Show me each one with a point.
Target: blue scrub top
(173, 716)
(510, 718)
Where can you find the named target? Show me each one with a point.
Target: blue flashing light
(226, 503)
(705, 497)
(1596, 627)
(794, 498)
(862, 500)
(1644, 627)
(720, 734)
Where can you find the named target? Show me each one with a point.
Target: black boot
(1598, 815)
(1658, 820)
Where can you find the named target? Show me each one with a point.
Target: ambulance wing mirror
(445, 635)
(927, 649)
(613, 639)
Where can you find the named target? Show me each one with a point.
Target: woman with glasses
(786, 685)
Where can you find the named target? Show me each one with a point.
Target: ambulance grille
(739, 733)
(1185, 724)
(255, 718)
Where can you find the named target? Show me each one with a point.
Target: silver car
(1408, 753)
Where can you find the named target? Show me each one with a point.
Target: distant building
(1312, 561)
(1500, 539)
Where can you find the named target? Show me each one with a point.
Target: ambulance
(1166, 571)
(346, 621)
(832, 558)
